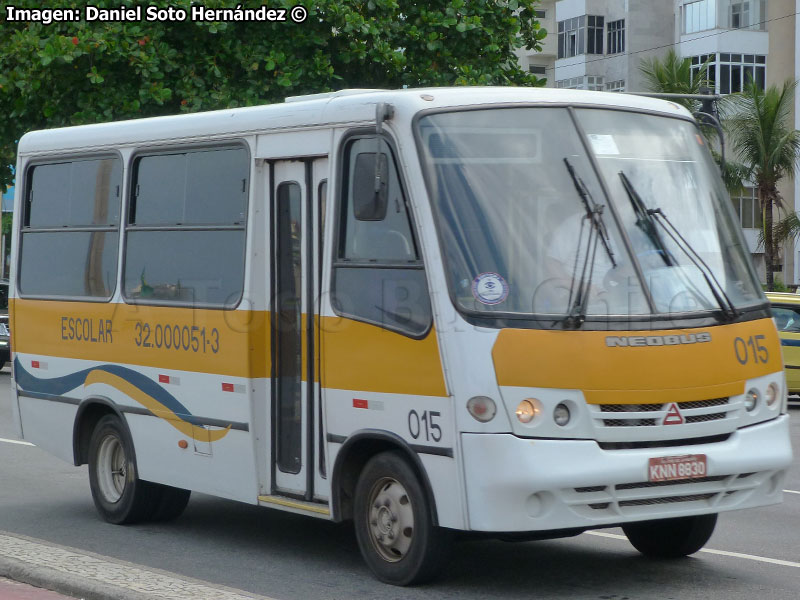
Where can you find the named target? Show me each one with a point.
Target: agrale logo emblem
(674, 416)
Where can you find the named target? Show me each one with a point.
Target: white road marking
(774, 561)
(791, 492)
(20, 442)
(614, 536)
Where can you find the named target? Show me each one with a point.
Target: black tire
(2, 363)
(393, 523)
(671, 538)
(118, 493)
(171, 504)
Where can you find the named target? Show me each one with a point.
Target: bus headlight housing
(526, 411)
(561, 414)
(772, 394)
(751, 399)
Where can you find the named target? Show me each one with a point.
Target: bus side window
(191, 206)
(378, 273)
(70, 229)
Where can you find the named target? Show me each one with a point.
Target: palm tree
(673, 75)
(759, 126)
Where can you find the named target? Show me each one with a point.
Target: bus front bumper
(515, 484)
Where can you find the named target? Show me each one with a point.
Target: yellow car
(786, 312)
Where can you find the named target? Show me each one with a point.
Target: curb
(65, 583)
(88, 576)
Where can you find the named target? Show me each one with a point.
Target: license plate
(675, 468)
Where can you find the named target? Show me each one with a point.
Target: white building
(599, 44)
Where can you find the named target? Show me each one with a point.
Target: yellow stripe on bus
(359, 356)
(355, 356)
(227, 342)
(655, 367)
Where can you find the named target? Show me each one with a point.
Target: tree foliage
(84, 72)
(760, 126)
(673, 75)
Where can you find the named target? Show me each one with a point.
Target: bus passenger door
(290, 377)
(295, 288)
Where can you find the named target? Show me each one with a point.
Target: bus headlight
(751, 399)
(526, 411)
(561, 415)
(772, 393)
(482, 408)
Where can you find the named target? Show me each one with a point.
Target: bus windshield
(532, 224)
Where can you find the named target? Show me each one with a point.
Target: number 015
(425, 425)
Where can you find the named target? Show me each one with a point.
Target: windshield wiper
(579, 298)
(647, 222)
(648, 218)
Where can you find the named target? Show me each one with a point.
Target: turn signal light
(482, 408)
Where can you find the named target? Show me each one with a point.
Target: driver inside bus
(565, 252)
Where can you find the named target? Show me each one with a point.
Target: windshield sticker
(489, 288)
(603, 144)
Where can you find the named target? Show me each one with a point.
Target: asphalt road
(753, 554)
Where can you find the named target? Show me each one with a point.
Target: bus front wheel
(671, 538)
(119, 495)
(393, 523)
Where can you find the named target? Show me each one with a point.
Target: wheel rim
(111, 468)
(390, 520)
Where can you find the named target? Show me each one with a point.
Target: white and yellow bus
(523, 312)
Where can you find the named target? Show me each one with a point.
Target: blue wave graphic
(58, 386)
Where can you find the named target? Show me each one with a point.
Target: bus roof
(343, 108)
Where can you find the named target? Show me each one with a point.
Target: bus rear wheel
(394, 525)
(119, 495)
(671, 538)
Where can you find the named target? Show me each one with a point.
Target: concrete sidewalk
(80, 574)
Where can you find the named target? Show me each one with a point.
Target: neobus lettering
(86, 330)
(657, 340)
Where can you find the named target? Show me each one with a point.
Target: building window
(540, 14)
(580, 35)
(707, 61)
(616, 37)
(587, 82)
(748, 208)
(745, 14)
(699, 16)
(729, 73)
(537, 69)
(736, 70)
(739, 15)
(571, 37)
(616, 86)
(594, 35)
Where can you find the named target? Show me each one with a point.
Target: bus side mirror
(370, 187)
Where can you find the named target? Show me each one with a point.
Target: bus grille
(640, 498)
(653, 415)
